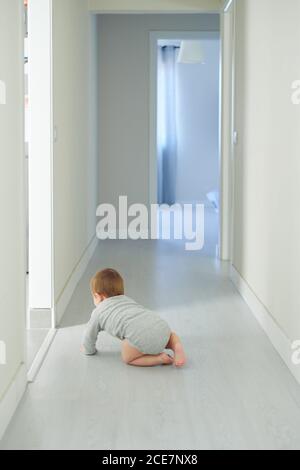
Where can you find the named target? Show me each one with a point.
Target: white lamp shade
(191, 52)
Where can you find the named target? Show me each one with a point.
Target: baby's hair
(107, 282)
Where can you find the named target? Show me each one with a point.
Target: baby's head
(105, 284)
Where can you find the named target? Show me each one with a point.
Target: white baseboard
(11, 399)
(39, 358)
(75, 277)
(280, 341)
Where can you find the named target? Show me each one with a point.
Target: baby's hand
(84, 351)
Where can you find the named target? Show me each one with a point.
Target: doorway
(185, 125)
(38, 177)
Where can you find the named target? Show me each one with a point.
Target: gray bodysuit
(123, 318)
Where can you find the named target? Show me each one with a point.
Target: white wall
(124, 44)
(75, 186)
(12, 234)
(267, 192)
(198, 125)
(155, 5)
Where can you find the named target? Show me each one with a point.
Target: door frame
(153, 180)
(228, 136)
(40, 302)
(227, 129)
(40, 147)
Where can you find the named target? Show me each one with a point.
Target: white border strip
(280, 341)
(11, 399)
(39, 358)
(76, 275)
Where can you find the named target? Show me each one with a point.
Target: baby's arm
(90, 335)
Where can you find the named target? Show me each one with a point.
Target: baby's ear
(96, 298)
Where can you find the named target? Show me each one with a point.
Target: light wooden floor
(235, 392)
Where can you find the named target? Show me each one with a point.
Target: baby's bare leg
(176, 346)
(134, 357)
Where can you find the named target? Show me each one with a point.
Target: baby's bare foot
(179, 355)
(166, 360)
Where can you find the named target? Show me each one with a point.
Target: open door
(39, 136)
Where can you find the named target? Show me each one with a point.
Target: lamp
(191, 52)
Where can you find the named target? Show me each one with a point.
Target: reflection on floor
(235, 392)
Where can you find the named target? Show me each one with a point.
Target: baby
(144, 335)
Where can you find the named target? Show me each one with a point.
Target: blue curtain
(167, 140)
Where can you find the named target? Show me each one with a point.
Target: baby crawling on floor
(144, 335)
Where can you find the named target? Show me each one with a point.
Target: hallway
(235, 392)
(84, 77)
